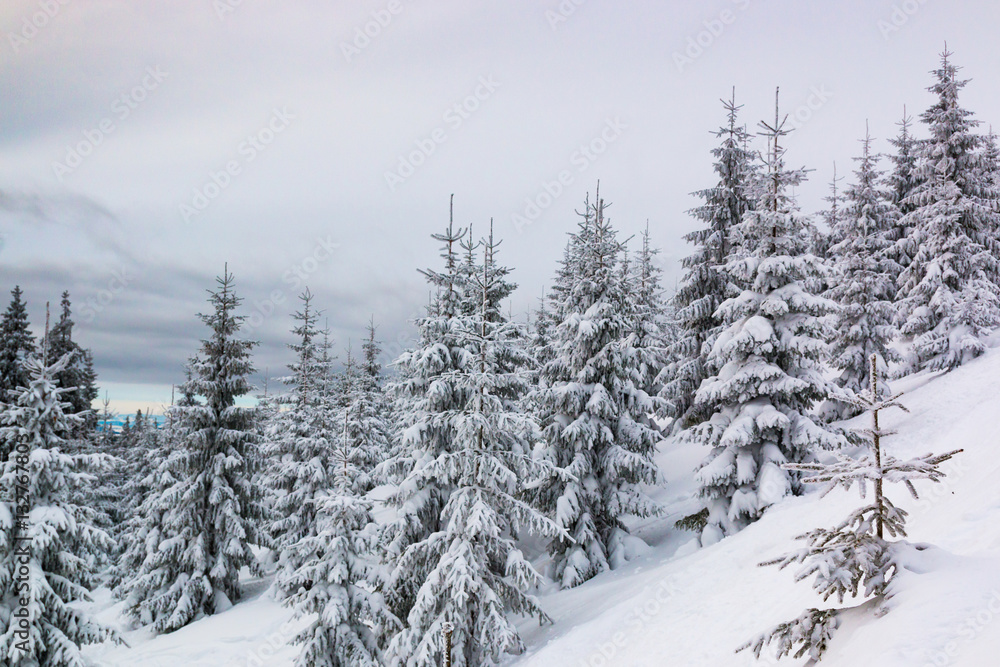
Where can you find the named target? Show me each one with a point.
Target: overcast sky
(145, 144)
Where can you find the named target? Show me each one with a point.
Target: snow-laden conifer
(472, 574)
(948, 294)
(768, 373)
(593, 412)
(707, 282)
(855, 558)
(212, 513)
(43, 529)
(865, 285)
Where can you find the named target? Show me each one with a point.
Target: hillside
(679, 605)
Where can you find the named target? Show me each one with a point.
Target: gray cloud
(323, 177)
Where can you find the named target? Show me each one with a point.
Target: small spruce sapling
(854, 554)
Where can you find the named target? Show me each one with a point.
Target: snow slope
(677, 605)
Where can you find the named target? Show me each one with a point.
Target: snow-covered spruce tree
(865, 285)
(145, 527)
(854, 558)
(768, 361)
(948, 294)
(823, 238)
(135, 478)
(651, 330)
(474, 576)
(16, 346)
(707, 283)
(299, 440)
(336, 576)
(78, 376)
(366, 416)
(425, 393)
(902, 182)
(593, 413)
(213, 512)
(42, 528)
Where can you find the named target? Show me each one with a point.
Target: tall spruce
(949, 294)
(593, 411)
(213, 513)
(768, 359)
(471, 573)
(17, 345)
(426, 393)
(299, 440)
(902, 181)
(865, 281)
(78, 376)
(707, 282)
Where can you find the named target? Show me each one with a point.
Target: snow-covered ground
(677, 605)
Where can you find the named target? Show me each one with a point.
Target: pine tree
(335, 576)
(299, 440)
(78, 376)
(425, 393)
(865, 286)
(43, 530)
(902, 182)
(212, 513)
(855, 558)
(593, 412)
(17, 344)
(707, 283)
(366, 414)
(472, 574)
(650, 332)
(949, 294)
(768, 360)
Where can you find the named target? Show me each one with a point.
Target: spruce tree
(472, 575)
(299, 440)
(17, 344)
(768, 360)
(425, 392)
(593, 412)
(865, 286)
(43, 530)
(949, 294)
(707, 283)
(78, 376)
(902, 182)
(651, 330)
(212, 514)
(855, 558)
(335, 574)
(366, 416)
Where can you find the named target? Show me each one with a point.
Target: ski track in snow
(676, 605)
